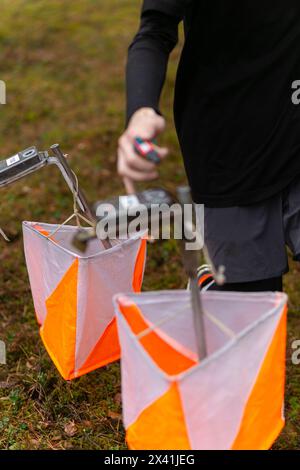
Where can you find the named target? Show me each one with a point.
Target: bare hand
(146, 124)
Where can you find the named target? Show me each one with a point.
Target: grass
(63, 63)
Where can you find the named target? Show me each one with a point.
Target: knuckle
(121, 140)
(121, 172)
(131, 158)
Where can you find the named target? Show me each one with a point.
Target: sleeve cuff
(132, 109)
(169, 7)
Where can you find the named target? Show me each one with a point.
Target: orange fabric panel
(161, 425)
(139, 267)
(166, 357)
(262, 420)
(59, 329)
(107, 350)
(41, 230)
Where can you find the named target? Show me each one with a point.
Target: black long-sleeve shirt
(237, 126)
(148, 59)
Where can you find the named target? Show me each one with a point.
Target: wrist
(146, 123)
(146, 112)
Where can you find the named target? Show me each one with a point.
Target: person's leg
(291, 217)
(250, 242)
(265, 285)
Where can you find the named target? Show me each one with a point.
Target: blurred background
(63, 64)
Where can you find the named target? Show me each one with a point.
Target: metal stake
(82, 201)
(190, 260)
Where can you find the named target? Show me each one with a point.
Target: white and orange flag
(73, 293)
(233, 399)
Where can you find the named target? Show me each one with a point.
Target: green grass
(63, 63)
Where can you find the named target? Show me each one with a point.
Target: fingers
(162, 152)
(146, 124)
(125, 170)
(135, 161)
(129, 185)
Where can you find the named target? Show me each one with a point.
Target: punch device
(30, 160)
(117, 208)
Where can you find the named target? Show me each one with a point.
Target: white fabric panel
(214, 393)
(56, 264)
(214, 397)
(141, 385)
(235, 310)
(64, 238)
(241, 309)
(100, 278)
(180, 326)
(101, 274)
(47, 263)
(34, 255)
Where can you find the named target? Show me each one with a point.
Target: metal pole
(190, 260)
(198, 318)
(82, 201)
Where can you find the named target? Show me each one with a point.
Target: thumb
(160, 124)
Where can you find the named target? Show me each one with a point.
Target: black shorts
(250, 241)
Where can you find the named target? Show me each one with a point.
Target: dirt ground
(63, 63)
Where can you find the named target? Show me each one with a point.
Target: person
(238, 128)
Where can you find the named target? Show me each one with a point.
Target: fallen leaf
(113, 415)
(35, 442)
(87, 424)
(67, 445)
(45, 424)
(70, 429)
(7, 385)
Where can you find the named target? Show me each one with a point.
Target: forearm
(148, 60)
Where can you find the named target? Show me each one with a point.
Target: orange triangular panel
(164, 355)
(107, 350)
(161, 425)
(262, 420)
(59, 329)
